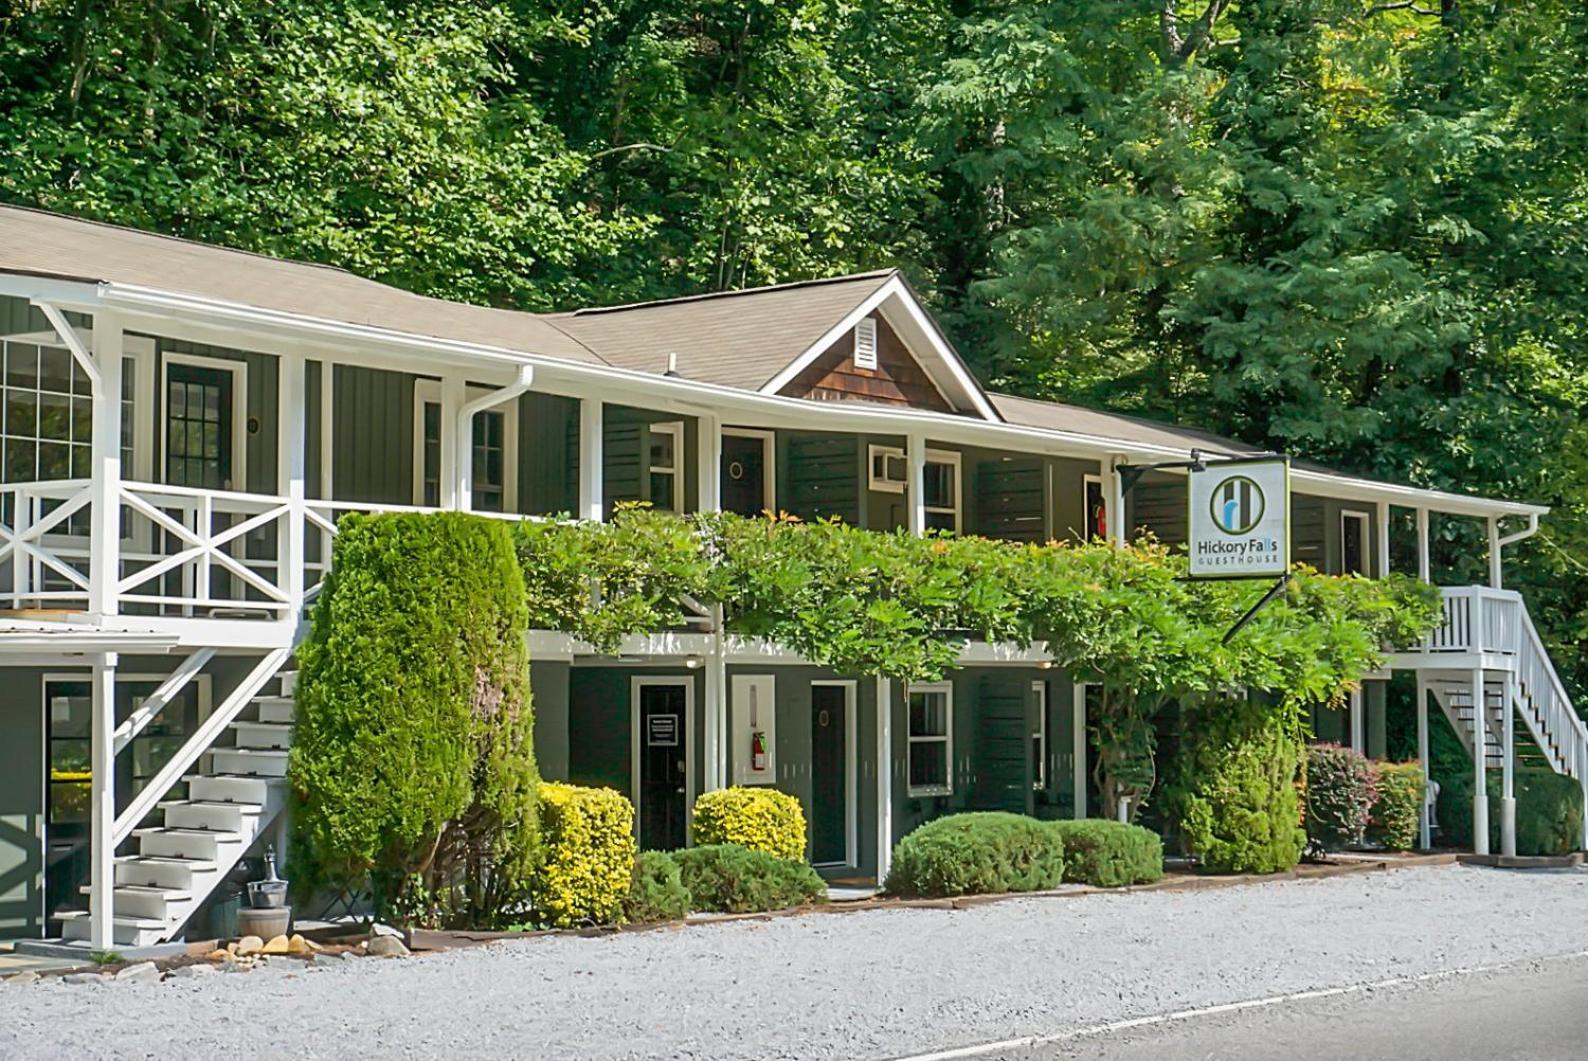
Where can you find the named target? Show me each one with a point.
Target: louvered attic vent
(866, 343)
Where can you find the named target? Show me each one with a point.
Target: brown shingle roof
(734, 338)
(1056, 416)
(44, 244)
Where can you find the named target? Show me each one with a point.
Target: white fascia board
(894, 290)
(762, 409)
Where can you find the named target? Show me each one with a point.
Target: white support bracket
(150, 709)
(464, 451)
(74, 343)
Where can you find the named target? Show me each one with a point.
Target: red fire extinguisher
(758, 752)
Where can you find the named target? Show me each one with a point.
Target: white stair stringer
(230, 804)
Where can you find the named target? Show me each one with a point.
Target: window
(866, 343)
(494, 486)
(1353, 543)
(940, 481)
(1039, 737)
(48, 411)
(1096, 510)
(666, 455)
(931, 751)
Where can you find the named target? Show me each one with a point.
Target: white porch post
(1078, 749)
(708, 454)
(1423, 563)
(1508, 770)
(1495, 574)
(327, 426)
(1425, 832)
(716, 727)
(1358, 723)
(1383, 539)
(104, 552)
(102, 790)
(884, 777)
(452, 391)
(1480, 768)
(590, 459)
(291, 471)
(1114, 508)
(915, 489)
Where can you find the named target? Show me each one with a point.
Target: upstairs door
(744, 474)
(201, 426)
(662, 713)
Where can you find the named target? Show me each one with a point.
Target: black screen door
(663, 755)
(198, 426)
(829, 775)
(743, 475)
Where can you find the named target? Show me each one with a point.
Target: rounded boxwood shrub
(731, 879)
(1341, 790)
(1397, 812)
(656, 890)
(1109, 854)
(762, 819)
(980, 852)
(587, 836)
(1549, 812)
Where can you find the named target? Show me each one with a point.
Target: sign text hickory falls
(1240, 519)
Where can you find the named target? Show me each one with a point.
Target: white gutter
(684, 393)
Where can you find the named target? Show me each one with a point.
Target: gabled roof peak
(705, 296)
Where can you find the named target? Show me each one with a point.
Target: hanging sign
(1239, 521)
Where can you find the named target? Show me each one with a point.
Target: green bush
(588, 836)
(1397, 812)
(656, 890)
(1549, 812)
(1109, 854)
(1341, 791)
(730, 879)
(977, 853)
(1235, 795)
(762, 819)
(412, 766)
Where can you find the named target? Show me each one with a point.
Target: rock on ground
(859, 985)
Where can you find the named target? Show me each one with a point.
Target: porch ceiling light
(694, 662)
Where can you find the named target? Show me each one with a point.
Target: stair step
(249, 762)
(263, 735)
(160, 871)
(124, 931)
(212, 815)
(229, 788)
(185, 843)
(139, 900)
(276, 708)
(289, 681)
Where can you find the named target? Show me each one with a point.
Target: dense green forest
(1356, 231)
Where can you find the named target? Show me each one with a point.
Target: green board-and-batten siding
(820, 476)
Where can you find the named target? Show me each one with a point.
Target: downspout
(465, 443)
(1497, 545)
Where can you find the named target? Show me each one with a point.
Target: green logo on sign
(1236, 505)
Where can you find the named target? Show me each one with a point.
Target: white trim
(851, 771)
(239, 371)
(883, 484)
(1039, 783)
(898, 486)
(895, 288)
(1366, 522)
(768, 461)
(674, 428)
(429, 391)
(952, 457)
(947, 740)
(687, 739)
(1078, 745)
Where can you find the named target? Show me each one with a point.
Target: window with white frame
(666, 466)
(494, 473)
(47, 405)
(1095, 509)
(940, 482)
(1039, 737)
(1353, 543)
(931, 739)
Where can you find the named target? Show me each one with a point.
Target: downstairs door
(663, 758)
(829, 775)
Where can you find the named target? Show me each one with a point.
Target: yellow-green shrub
(588, 841)
(762, 819)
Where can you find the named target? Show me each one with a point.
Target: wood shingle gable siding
(897, 379)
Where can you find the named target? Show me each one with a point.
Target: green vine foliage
(902, 606)
(412, 763)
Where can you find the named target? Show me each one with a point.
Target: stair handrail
(1534, 658)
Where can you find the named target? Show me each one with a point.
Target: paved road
(1534, 1010)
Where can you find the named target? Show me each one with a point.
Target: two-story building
(183, 425)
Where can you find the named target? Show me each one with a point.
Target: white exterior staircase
(238, 793)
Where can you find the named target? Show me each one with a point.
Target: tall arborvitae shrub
(1234, 791)
(412, 764)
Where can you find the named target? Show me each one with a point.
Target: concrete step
(186, 843)
(250, 762)
(276, 735)
(228, 788)
(216, 816)
(125, 931)
(140, 900)
(156, 871)
(275, 708)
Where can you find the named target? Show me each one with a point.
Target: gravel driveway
(874, 984)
